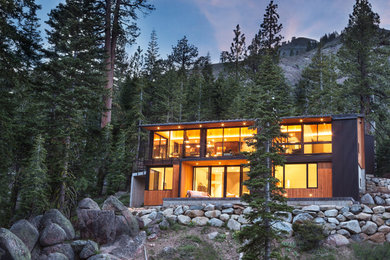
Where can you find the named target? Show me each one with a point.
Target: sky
(209, 24)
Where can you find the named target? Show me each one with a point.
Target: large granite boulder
(369, 228)
(300, 218)
(91, 248)
(51, 235)
(56, 217)
(200, 221)
(283, 227)
(88, 203)
(337, 240)
(11, 247)
(112, 203)
(65, 249)
(352, 226)
(26, 232)
(367, 199)
(97, 225)
(56, 256)
(233, 225)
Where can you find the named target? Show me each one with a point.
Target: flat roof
(246, 122)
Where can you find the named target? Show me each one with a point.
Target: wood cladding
(361, 151)
(155, 197)
(324, 189)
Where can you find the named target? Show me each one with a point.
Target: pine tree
(237, 49)
(364, 63)
(75, 76)
(34, 195)
(267, 101)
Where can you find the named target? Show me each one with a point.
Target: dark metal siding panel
(345, 159)
(369, 150)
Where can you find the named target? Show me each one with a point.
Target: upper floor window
(228, 141)
(192, 143)
(307, 138)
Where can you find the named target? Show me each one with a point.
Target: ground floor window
(221, 181)
(160, 178)
(297, 176)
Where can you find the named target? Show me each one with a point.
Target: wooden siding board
(345, 158)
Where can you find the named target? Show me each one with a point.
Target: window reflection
(176, 144)
(233, 182)
(160, 144)
(246, 134)
(231, 141)
(214, 142)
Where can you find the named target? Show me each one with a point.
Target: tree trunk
(267, 254)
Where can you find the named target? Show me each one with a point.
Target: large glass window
(192, 143)
(297, 176)
(231, 141)
(245, 177)
(214, 142)
(160, 144)
(317, 138)
(217, 181)
(176, 144)
(201, 179)
(246, 134)
(233, 181)
(160, 178)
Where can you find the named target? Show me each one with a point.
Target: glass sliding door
(217, 174)
(233, 181)
(201, 179)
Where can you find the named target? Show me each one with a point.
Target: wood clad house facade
(325, 158)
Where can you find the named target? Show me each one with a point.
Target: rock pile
(52, 235)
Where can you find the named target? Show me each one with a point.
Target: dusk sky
(209, 24)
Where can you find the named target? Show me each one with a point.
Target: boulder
(98, 225)
(184, 220)
(56, 217)
(112, 203)
(121, 226)
(212, 235)
(242, 219)
(88, 203)
(355, 208)
(378, 209)
(363, 216)
(215, 222)
(196, 207)
(146, 220)
(319, 220)
(228, 211)
(344, 209)
(224, 217)
(247, 210)
(387, 202)
(209, 207)
(359, 237)
(164, 224)
(103, 257)
(344, 233)
(378, 220)
(388, 237)
(36, 222)
(369, 228)
(352, 226)
(384, 229)
(172, 218)
(57, 256)
(331, 213)
(168, 212)
(125, 247)
(227, 205)
(367, 199)
(300, 218)
(78, 245)
(283, 227)
(200, 221)
(178, 211)
(341, 218)
(26, 232)
(386, 215)
(349, 215)
(379, 200)
(91, 248)
(314, 208)
(297, 211)
(333, 221)
(233, 225)
(65, 249)
(377, 237)
(194, 213)
(132, 222)
(212, 213)
(51, 235)
(12, 247)
(284, 215)
(367, 209)
(337, 240)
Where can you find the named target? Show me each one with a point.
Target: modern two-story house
(325, 158)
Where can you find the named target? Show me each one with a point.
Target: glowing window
(217, 174)
(214, 142)
(295, 176)
(324, 132)
(233, 182)
(246, 134)
(161, 178)
(201, 179)
(279, 175)
(192, 143)
(312, 175)
(231, 141)
(245, 177)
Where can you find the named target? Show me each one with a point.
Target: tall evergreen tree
(237, 49)
(34, 195)
(75, 76)
(364, 63)
(267, 101)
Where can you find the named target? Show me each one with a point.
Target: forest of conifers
(70, 109)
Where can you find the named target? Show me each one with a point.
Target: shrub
(308, 235)
(371, 252)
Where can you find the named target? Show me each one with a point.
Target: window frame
(224, 177)
(164, 167)
(303, 143)
(307, 175)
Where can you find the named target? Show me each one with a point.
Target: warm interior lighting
(244, 123)
(219, 163)
(322, 119)
(158, 128)
(222, 124)
(310, 195)
(200, 125)
(301, 120)
(179, 127)
(197, 163)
